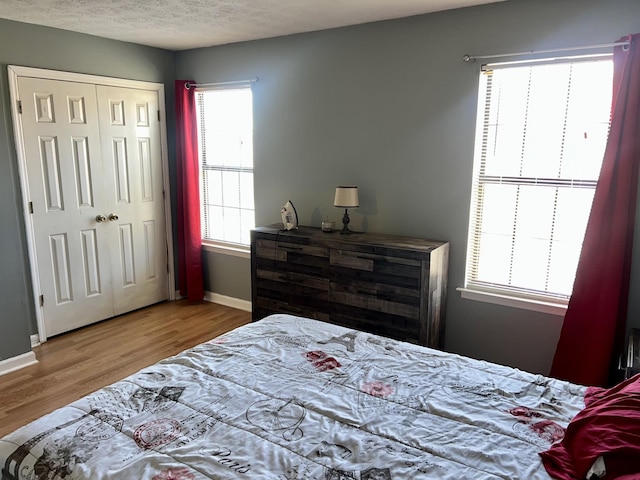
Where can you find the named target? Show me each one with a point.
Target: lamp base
(345, 223)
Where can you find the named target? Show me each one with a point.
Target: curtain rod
(215, 84)
(472, 58)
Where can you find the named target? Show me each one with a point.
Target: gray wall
(227, 275)
(391, 107)
(16, 310)
(33, 46)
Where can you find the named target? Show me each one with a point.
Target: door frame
(16, 71)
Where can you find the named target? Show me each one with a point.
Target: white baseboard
(35, 340)
(222, 300)
(228, 301)
(16, 363)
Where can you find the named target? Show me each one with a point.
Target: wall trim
(35, 340)
(238, 303)
(16, 363)
(511, 301)
(222, 248)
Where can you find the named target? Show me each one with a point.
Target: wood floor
(75, 364)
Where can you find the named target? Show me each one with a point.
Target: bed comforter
(292, 398)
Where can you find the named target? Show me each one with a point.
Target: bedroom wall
(34, 46)
(391, 107)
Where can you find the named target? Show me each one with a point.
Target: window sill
(235, 250)
(515, 302)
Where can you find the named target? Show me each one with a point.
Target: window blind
(225, 139)
(542, 131)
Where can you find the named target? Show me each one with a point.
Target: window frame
(216, 245)
(501, 294)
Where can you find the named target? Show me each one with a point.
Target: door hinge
(42, 300)
(158, 115)
(20, 107)
(30, 207)
(167, 268)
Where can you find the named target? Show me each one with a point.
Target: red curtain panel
(188, 193)
(592, 335)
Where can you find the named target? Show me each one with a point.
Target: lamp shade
(346, 197)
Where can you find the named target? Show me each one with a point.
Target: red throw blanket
(608, 426)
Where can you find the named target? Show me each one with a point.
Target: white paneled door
(92, 157)
(130, 138)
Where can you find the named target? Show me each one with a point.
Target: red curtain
(594, 326)
(189, 233)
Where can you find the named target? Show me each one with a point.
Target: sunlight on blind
(541, 142)
(225, 138)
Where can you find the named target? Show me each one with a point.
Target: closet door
(61, 143)
(95, 184)
(132, 170)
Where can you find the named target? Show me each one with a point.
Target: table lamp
(346, 197)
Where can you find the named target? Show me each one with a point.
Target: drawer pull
(376, 259)
(286, 247)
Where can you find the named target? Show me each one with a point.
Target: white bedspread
(289, 398)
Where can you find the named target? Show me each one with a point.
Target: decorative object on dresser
(289, 216)
(327, 226)
(389, 285)
(346, 197)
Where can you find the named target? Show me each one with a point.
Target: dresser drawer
(288, 251)
(347, 265)
(266, 306)
(388, 325)
(284, 257)
(381, 298)
(295, 289)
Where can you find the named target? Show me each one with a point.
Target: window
(225, 140)
(542, 130)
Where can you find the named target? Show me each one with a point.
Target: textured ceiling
(184, 24)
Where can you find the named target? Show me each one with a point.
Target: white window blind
(225, 140)
(542, 130)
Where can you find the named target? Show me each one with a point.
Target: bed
(293, 398)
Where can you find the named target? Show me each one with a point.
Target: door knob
(113, 217)
(101, 218)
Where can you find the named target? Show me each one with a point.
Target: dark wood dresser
(388, 285)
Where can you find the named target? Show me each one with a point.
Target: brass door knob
(113, 217)
(101, 218)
